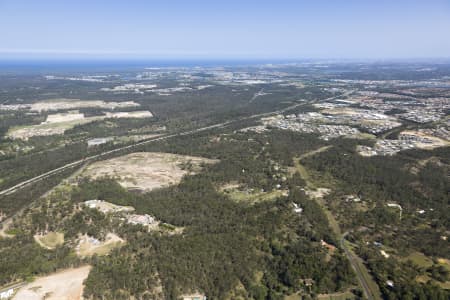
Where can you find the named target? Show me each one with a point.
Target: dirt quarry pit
(60, 104)
(64, 285)
(145, 171)
(57, 124)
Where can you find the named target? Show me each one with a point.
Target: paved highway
(38, 178)
(348, 253)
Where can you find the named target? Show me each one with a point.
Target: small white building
(98, 141)
(297, 209)
(385, 255)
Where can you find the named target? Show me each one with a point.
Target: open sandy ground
(60, 122)
(88, 246)
(64, 285)
(146, 170)
(57, 104)
(50, 240)
(57, 125)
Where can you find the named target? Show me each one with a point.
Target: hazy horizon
(261, 30)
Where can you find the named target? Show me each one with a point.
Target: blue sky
(232, 29)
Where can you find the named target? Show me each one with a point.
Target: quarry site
(145, 171)
(58, 123)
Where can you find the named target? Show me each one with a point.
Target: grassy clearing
(293, 297)
(253, 197)
(419, 259)
(444, 285)
(304, 173)
(444, 262)
(361, 206)
(86, 250)
(336, 296)
(423, 278)
(364, 136)
(50, 240)
(331, 219)
(313, 181)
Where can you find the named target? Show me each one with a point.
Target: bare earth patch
(88, 246)
(146, 170)
(317, 193)
(65, 285)
(106, 207)
(55, 124)
(131, 114)
(5, 228)
(60, 122)
(56, 104)
(50, 240)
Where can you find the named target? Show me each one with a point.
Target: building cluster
(14, 107)
(422, 115)
(439, 132)
(86, 78)
(304, 123)
(415, 138)
(377, 128)
(422, 138)
(386, 147)
(372, 120)
(419, 110)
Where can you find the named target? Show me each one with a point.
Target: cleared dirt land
(88, 246)
(64, 285)
(145, 171)
(50, 240)
(131, 114)
(57, 104)
(55, 124)
(60, 122)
